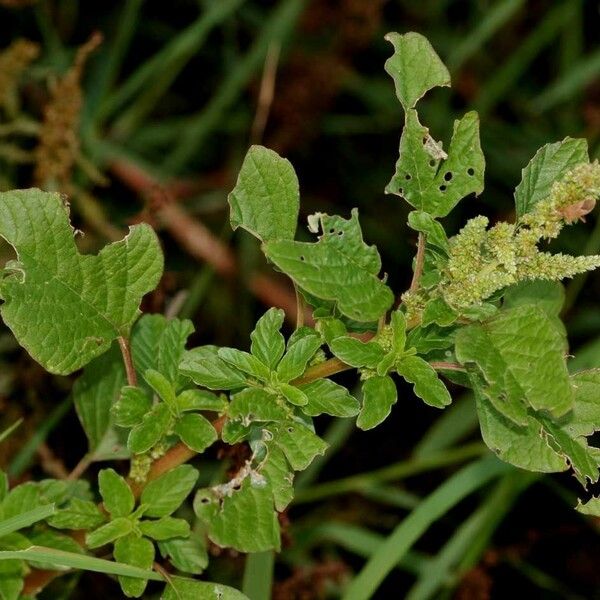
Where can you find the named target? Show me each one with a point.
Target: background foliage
(152, 125)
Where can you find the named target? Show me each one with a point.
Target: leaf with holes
(66, 308)
(266, 197)
(432, 180)
(340, 267)
(244, 519)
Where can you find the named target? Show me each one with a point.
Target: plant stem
(419, 262)
(128, 360)
(447, 366)
(324, 369)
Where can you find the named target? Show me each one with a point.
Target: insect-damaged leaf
(432, 180)
(266, 197)
(243, 519)
(340, 267)
(66, 308)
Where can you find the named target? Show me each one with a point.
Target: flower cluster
(483, 261)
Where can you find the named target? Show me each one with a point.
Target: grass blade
(62, 559)
(26, 519)
(276, 29)
(258, 575)
(494, 18)
(452, 491)
(6, 433)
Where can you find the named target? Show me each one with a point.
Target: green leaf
(340, 267)
(200, 400)
(591, 507)
(11, 579)
(428, 178)
(25, 519)
(116, 495)
(432, 337)
(437, 311)
(548, 296)
(165, 494)
(415, 67)
(132, 406)
(159, 343)
(138, 552)
(21, 499)
(63, 307)
(522, 446)
(161, 386)
(299, 444)
(266, 197)
(357, 353)
(186, 554)
(379, 395)
(94, 393)
(294, 362)
(550, 163)
(256, 404)
(521, 354)
(427, 385)
(268, 344)
(113, 530)
(153, 427)
(584, 420)
(165, 528)
(243, 520)
(205, 368)
(244, 361)
(326, 396)
(293, 394)
(425, 223)
(582, 458)
(180, 588)
(234, 432)
(280, 476)
(195, 431)
(58, 558)
(79, 514)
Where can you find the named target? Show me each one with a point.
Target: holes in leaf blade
(470, 171)
(442, 188)
(448, 176)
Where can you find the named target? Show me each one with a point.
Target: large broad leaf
(428, 178)
(266, 197)
(542, 444)
(415, 67)
(521, 354)
(243, 518)
(340, 267)
(550, 163)
(66, 308)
